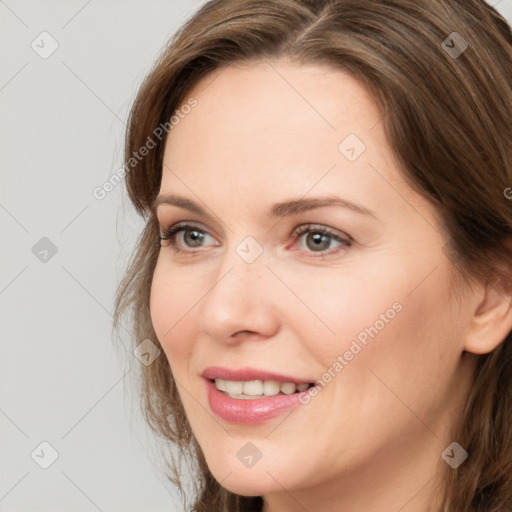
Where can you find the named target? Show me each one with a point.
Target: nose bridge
(243, 269)
(237, 300)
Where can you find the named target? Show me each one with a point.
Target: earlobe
(491, 321)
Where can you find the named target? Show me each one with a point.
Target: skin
(372, 439)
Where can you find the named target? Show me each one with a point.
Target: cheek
(379, 319)
(332, 308)
(172, 300)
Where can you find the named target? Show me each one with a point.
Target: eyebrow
(179, 201)
(282, 209)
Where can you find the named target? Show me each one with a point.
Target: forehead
(277, 127)
(281, 99)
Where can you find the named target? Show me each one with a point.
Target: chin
(247, 481)
(246, 488)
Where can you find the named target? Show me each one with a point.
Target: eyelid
(167, 220)
(191, 224)
(168, 233)
(321, 228)
(343, 239)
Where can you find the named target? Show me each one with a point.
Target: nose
(239, 303)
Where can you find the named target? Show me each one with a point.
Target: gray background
(62, 382)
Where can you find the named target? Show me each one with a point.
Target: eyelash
(170, 233)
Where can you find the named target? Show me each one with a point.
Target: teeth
(221, 384)
(252, 387)
(257, 388)
(288, 388)
(271, 388)
(233, 387)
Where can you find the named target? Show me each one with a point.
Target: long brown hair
(446, 102)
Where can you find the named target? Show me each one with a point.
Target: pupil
(194, 238)
(319, 241)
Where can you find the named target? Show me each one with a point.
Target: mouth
(249, 396)
(254, 389)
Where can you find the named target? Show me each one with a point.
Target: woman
(326, 263)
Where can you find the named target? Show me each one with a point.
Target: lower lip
(251, 411)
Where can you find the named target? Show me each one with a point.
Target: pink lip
(218, 372)
(252, 411)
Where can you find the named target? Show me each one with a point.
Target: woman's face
(307, 259)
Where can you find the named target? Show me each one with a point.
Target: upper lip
(247, 373)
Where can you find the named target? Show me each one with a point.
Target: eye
(320, 239)
(185, 235)
(317, 240)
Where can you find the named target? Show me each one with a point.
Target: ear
(491, 320)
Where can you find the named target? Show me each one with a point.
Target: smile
(252, 389)
(249, 396)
